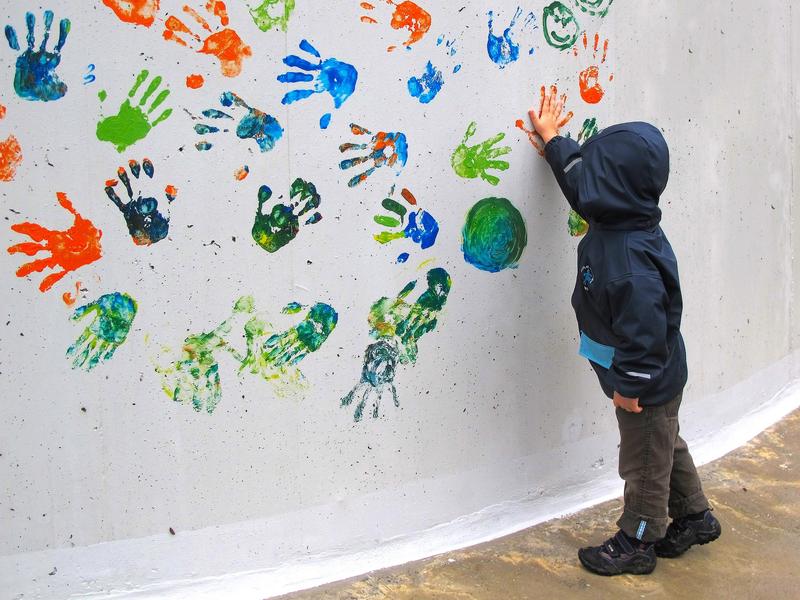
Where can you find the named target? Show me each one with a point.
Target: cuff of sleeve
(552, 143)
(628, 386)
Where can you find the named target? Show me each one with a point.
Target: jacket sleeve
(639, 320)
(564, 157)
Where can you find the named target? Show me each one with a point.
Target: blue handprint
(335, 77)
(36, 78)
(257, 125)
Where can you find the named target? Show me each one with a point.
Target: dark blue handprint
(335, 77)
(257, 125)
(35, 78)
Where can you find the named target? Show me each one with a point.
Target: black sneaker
(684, 533)
(618, 556)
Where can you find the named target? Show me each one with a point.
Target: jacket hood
(625, 171)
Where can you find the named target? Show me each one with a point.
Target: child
(628, 303)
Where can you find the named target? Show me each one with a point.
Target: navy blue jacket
(627, 294)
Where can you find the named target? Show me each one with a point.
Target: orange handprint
(10, 154)
(138, 12)
(533, 137)
(407, 15)
(71, 249)
(591, 90)
(225, 44)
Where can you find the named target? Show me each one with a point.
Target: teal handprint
(474, 161)
(113, 315)
(35, 77)
(133, 123)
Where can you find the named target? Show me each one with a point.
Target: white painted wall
(499, 419)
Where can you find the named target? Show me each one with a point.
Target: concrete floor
(756, 495)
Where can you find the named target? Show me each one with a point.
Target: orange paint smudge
(217, 7)
(366, 19)
(591, 90)
(367, 6)
(408, 15)
(533, 137)
(173, 25)
(138, 12)
(111, 182)
(241, 173)
(196, 16)
(229, 48)
(2, 112)
(195, 81)
(68, 298)
(10, 153)
(408, 196)
(172, 192)
(70, 249)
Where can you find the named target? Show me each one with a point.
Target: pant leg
(686, 495)
(647, 442)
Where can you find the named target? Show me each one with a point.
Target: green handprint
(194, 378)
(262, 14)
(273, 230)
(113, 316)
(473, 161)
(132, 123)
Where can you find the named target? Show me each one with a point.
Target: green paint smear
(494, 235)
(405, 323)
(265, 21)
(588, 129)
(576, 224)
(471, 162)
(273, 230)
(113, 315)
(597, 8)
(560, 27)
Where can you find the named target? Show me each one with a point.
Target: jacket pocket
(596, 352)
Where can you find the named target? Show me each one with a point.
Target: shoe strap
(618, 544)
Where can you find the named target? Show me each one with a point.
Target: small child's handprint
(421, 228)
(427, 85)
(264, 18)
(224, 44)
(70, 249)
(503, 49)
(272, 231)
(133, 123)
(254, 124)
(407, 15)
(145, 222)
(534, 138)
(335, 77)
(474, 161)
(112, 315)
(35, 77)
(589, 79)
(377, 375)
(384, 149)
(10, 153)
(138, 12)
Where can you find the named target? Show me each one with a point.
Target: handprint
(377, 374)
(35, 77)
(133, 123)
(474, 161)
(138, 12)
(224, 44)
(272, 231)
(589, 79)
(385, 149)
(560, 27)
(576, 224)
(407, 15)
(112, 315)
(334, 77)
(422, 228)
(427, 86)
(264, 19)
(70, 249)
(597, 8)
(145, 222)
(534, 138)
(254, 124)
(502, 49)
(10, 153)
(194, 378)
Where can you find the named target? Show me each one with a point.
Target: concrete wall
(498, 418)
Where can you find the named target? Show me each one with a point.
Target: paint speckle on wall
(276, 228)
(592, 90)
(111, 319)
(224, 44)
(241, 173)
(331, 76)
(406, 15)
(384, 149)
(69, 249)
(35, 76)
(89, 77)
(254, 124)
(146, 224)
(494, 235)
(134, 122)
(137, 12)
(559, 25)
(475, 161)
(272, 14)
(504, 49)
(10, 153)
(195, 82)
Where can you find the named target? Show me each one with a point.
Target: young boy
(628, 303)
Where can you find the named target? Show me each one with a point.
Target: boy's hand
(547, 119)
(629, 404)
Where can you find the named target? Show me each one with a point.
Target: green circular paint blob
(494, 235)
(560, 27)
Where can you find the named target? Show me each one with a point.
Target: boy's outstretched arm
(563, 154)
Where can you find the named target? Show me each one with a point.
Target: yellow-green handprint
(474, 161)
